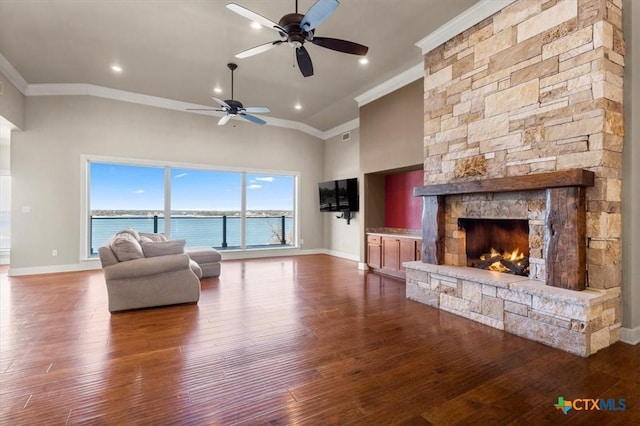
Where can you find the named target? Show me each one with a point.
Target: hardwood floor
(305, 340)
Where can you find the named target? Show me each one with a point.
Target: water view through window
(206, 206)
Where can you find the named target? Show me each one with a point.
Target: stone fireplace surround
(579, 322)
(535, 88)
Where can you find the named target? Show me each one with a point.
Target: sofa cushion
(162, 248)
(126, 247)
(130, 231)
(146, 236)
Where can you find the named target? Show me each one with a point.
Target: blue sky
(124, 187)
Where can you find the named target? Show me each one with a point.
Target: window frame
(85, 202)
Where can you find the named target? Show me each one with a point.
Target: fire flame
(512, 256)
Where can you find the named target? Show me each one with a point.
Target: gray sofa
(143, 271)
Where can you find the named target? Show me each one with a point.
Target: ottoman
(207, 258)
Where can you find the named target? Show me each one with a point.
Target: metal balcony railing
(220, 232)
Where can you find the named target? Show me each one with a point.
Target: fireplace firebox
(500, 245)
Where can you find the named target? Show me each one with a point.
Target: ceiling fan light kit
(232, 107)
(296, 29)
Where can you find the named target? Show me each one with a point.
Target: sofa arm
(147, 266)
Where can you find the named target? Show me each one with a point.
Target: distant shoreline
(190, 213)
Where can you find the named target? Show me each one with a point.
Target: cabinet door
(407, 251)
(374, 252)
(390, 253)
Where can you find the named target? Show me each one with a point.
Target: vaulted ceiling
(178, 49)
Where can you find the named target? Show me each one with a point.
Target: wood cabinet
(387, 253)
(374, 251)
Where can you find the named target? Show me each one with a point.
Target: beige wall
(11, 103)
(631, 174)
(341, 162)
(46, 163)
(391, 130)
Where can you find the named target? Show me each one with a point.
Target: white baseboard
(341, 255)
(630, 335)
(54, 269)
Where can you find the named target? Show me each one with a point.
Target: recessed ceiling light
(116, 68)
(256, 25)
(298, 106)
(363, 61)
(217, 90)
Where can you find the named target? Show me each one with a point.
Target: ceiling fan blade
(221, 102)
(257, 110)
(252, 118)
(258, 49)
(304, 61)
(204, 109)
(252, 16)
(224, 120)
(318, 13)
(341, 45)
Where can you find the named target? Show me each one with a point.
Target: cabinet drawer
(373, 239)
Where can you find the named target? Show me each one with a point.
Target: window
(216, 208)
(269, 209)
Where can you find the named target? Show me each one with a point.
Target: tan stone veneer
(535, 88)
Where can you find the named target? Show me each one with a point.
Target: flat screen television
(339, 195)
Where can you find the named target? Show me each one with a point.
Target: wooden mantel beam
(559, 179)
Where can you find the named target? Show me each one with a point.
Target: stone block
(602, 35)
(584, 128)
(472, 291)
(438, 79)
(483, 319)
(516, 308)
(563, 11)
(550, 319)
(567, 43)
(495, 44)
(600, 340)
(493, 307)
(535, 71)
(604, 276)
(548, 334)
(454, 304)
(566, 75)
(514, 296)
(488, 128)
(507, 142)
(489, 290)
(471, 166)
(515, 13)
(426, 297)
(513, 98)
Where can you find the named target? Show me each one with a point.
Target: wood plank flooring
(306, 340)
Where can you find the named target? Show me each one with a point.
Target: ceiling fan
(233, 107)
(295, 29)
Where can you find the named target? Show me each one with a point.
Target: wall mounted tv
(339, 195)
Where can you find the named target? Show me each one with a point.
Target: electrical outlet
(301, 241)
(54, 252)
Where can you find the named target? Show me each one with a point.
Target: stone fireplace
(523, 142)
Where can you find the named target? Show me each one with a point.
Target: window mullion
(167, 201)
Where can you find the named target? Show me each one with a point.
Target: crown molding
(12, 74)
(338, 130)
(408, 76)
(81, 89)
(476, 13)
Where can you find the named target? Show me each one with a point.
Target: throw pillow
(130, 231)
(146, 236)
(126, 247)
(163, 248)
